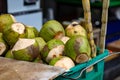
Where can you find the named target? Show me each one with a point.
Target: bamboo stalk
(104, 24)
(88, 26)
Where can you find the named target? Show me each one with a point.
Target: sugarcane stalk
(104, 24)
(88, 26)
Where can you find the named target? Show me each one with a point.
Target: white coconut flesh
(2, 48)
(18, 27)
(65, 63)
(13, 18)
(64, 39)
(55, 52)
(81, 58)
(23, 43)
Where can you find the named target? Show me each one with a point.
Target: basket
(79, 71)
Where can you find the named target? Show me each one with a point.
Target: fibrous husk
(50, 29)
(78, 49)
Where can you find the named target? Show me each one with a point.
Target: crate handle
(64, 74)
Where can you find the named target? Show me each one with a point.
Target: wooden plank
(22, 70)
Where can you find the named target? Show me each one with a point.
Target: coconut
(13, 32)
(25, 49)
(74, 29)
(3, 45)
(53, 48)
(40, 42)
(50, 29)
(5, 20)
(63, 62)
(78, 49)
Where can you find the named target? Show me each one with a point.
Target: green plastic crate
(95, 74)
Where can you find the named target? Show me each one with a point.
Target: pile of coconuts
(52, 45)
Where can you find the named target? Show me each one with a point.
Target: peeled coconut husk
(75, 29)
(50, 29)
(3, 45)
(63, 62)
(53, 48)
(13, 32)
(78, 49)
(5, 20)
(25, 49)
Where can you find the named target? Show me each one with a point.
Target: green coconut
(63, 62)
(40, 42)
(53, 48)
(75, 29)
(78, 49)
(3, 45)
(50, 29)
(6, 20)
(25, 49)
(13, 32)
